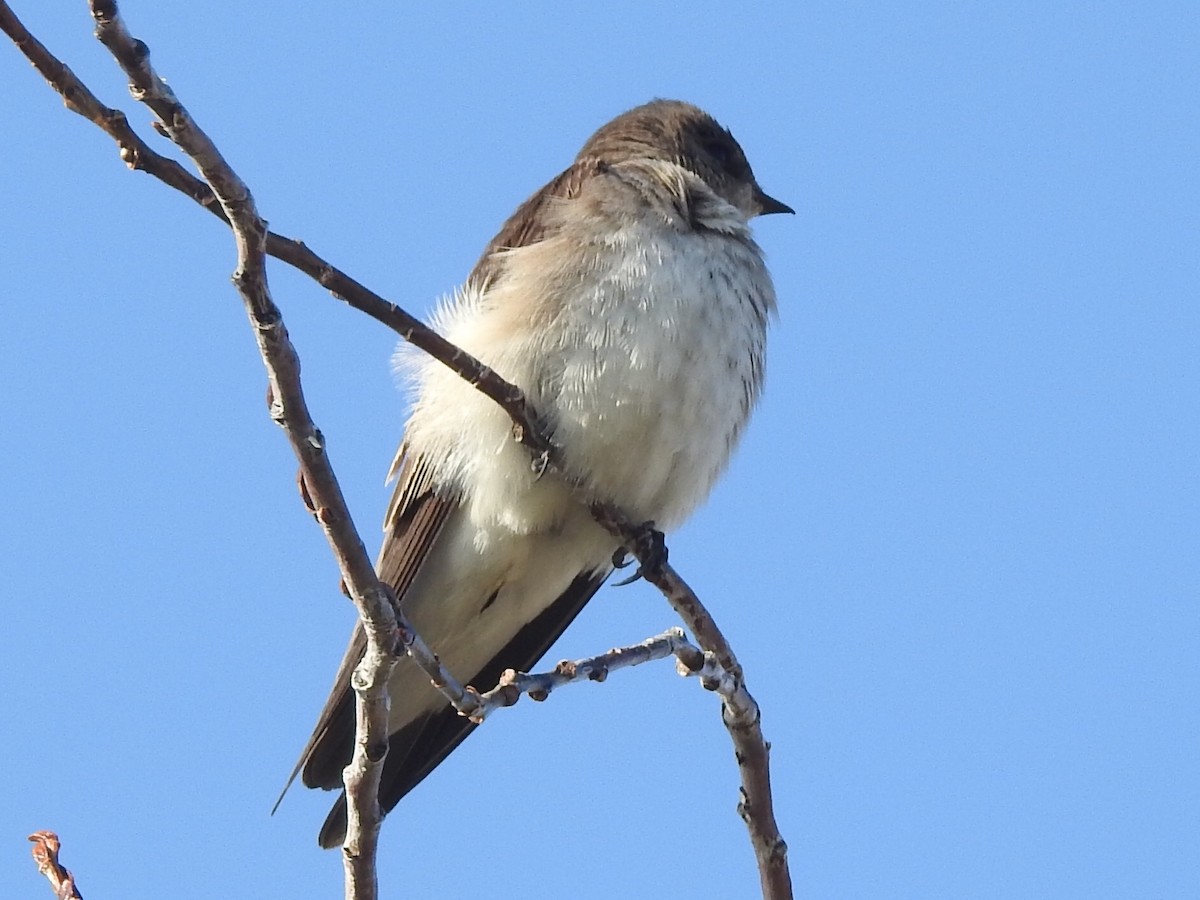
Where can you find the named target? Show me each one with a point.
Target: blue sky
(956, 552)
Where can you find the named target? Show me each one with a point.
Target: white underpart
(646, 377)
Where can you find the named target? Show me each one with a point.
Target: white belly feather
(646, 375)
(642, 347)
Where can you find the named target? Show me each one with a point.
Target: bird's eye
(725, 155)
(719, 150)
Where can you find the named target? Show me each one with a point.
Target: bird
(629, 302)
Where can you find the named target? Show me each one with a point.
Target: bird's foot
(649, 547)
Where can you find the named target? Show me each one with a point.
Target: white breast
(657, 366)
(640, 343)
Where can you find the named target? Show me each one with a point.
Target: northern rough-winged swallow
(629, 302)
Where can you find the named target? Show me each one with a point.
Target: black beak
(768, 205)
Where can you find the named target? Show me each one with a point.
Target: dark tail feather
(333, 832)
(416, 749)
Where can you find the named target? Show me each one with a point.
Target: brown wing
(528, 224)
(415, 518)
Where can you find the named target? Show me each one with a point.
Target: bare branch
(594, 668)
(79, 99)
(288, 408)
(739, 710)
(45, 853)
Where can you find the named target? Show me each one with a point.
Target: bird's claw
(540, 463)
(630, 580)
(650, 548)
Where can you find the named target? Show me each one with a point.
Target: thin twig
(540, 685)
(288, 408)
(45, 853)
(739, 711)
